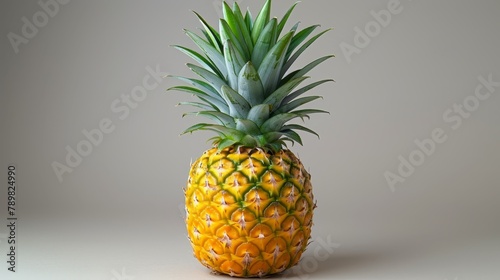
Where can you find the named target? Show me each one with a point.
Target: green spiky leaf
(295, 104)
(210, 51)
(304, 113)
(249, 21)
(225, 132)
(234, 24)
(250, 85)
(227, 34)
(224, 143)
(299, 38)
(296, 55)
(219, 117)
(306, 69)
(275, 99)
(247, 126)
(200, 59)
(215, 81)
(261, 21)
(214, 102)
(234, 63)
(275, 123)
(292, 135)
(283, 20)
(203, 106)
(238, 106)
(211, 33)
(299, 127)
(303, 90)
(266, 40)
(244, 29)
(270, 69)
(259, 114)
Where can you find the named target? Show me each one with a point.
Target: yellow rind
(249, 212)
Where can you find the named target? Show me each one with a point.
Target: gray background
(117, 215)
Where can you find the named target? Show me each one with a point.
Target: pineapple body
(249, 211)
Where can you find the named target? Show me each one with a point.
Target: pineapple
(249, 199)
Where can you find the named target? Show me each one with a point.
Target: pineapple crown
(246, 88)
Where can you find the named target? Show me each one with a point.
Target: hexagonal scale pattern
(249, 212)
